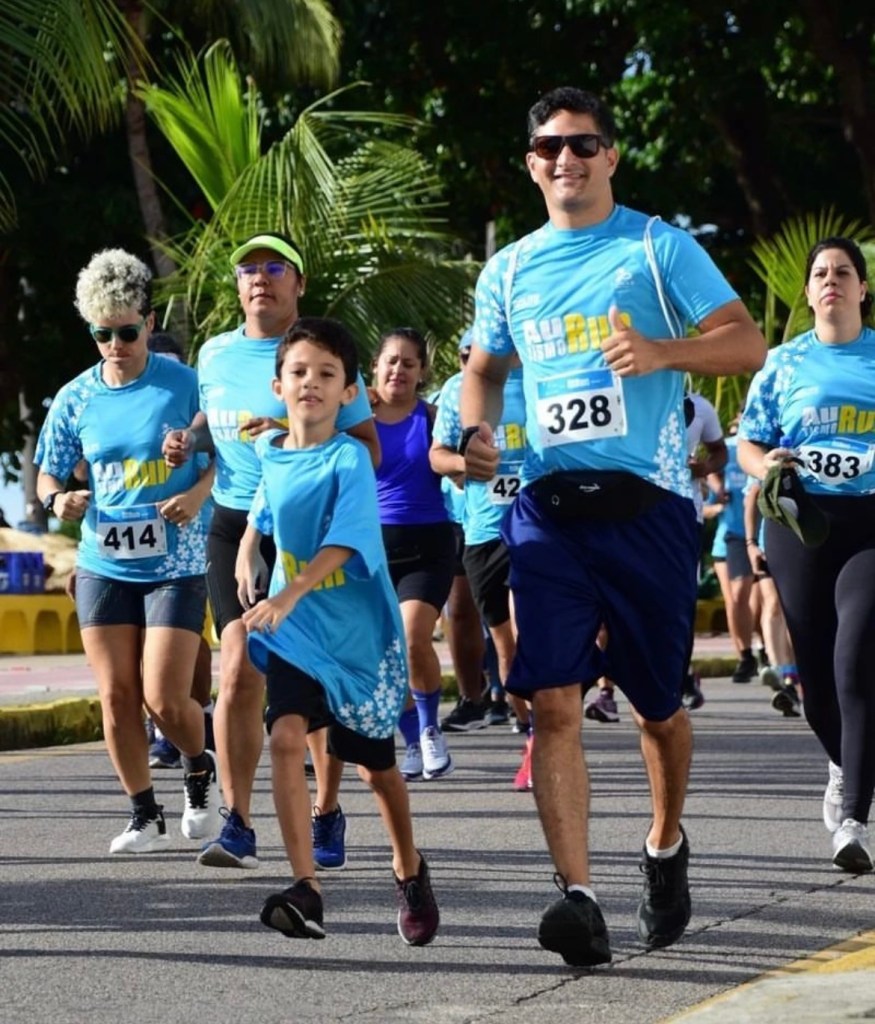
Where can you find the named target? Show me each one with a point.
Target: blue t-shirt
(347, 632)
(548, 296)
(119, 431)
(487, 502)
(735, 485)
(234, 375)
(820, 400)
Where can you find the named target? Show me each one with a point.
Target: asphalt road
(89, 938)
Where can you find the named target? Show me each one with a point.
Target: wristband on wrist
(750, 540)
(465, 439)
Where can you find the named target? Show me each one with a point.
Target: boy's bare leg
(328, 770)
(291, 796)
(393, 802)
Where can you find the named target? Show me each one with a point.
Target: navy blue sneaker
(329, 834)
(163, 754)
(235, 846)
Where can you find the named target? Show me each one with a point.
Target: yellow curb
(47, 725)
(849, 955)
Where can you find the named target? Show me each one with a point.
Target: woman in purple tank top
(418, 536)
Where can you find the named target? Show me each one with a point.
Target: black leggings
(828, 596)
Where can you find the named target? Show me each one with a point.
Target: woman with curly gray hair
(140, 590)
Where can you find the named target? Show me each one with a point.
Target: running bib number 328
(580, 407)
(135, 532)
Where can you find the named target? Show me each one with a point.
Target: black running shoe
(296, 912)
(465, 717)
(745, 670)
(665, 907)
(574, 928)
(786, 700)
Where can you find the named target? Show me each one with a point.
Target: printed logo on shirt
(130, 475)
(510, 437)
(839, 419)
(293, 567)
(624, 278)
(225, 424)
(558, 336)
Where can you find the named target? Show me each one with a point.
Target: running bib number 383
(135, 532)
(833, 465)
(580, 407)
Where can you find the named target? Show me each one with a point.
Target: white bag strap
(673, 321)
(508, 283)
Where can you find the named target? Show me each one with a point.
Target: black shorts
(291, 692)
(459, 535)
(226, 531)
(421, 561)
(488, 569)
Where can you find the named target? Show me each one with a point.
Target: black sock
(144, 804)
(202, 763)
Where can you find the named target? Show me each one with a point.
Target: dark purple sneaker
(418, 914)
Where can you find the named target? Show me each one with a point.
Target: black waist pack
(595, 494)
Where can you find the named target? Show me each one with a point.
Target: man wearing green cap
(235, 370)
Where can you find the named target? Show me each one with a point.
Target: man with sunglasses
(598, 304)
(235, 370)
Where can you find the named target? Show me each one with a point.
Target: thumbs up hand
(627, 351)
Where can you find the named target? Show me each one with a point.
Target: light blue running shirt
(735, 485)
(820, 400)
(120, 431)
(563, 283)
(234, 376)
(347, 632)
(487, 502)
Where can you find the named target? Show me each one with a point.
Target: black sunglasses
(585, 145)
(127, 333)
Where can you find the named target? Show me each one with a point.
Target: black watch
(465, 439)
(49, 503)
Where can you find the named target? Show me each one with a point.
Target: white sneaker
(436, 760)
(142, 835)
(201, 819)
(850, 845)
(411, 766)
(832, 798)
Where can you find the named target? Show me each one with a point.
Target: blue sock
(427, 705)
(408, 725)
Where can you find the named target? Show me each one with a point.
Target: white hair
(113, 282)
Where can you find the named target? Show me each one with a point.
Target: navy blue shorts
(638, 577)
(179, 603)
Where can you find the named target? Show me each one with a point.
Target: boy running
(329, 636)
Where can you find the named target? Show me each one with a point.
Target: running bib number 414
(581, 407)
(135, 532)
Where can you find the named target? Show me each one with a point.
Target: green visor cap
(271, 242)
(784, 500)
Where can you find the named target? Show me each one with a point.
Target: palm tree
(71, 65)
(369, 222)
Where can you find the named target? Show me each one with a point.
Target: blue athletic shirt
(487, 502)
(347, 632)
(119, 431)
(819, 399)
(735, 484)
(234, 376)
(562, 285)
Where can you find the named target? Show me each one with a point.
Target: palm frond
(212, 125)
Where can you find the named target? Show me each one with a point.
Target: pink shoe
(523, 779)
